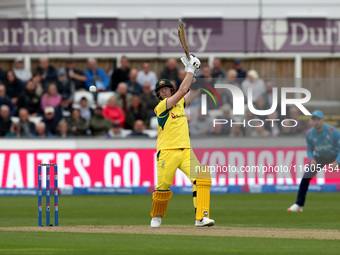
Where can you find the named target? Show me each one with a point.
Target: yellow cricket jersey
(173, 130)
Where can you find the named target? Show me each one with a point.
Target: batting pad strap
(160, 201)
(203, 197)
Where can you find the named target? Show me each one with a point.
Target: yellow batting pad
(203, 183)
(160, 201)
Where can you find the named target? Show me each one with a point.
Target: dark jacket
(99, 125)
(29, 101)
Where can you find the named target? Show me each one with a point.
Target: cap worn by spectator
(116, 125)
(317, 114)
(49, 109)
(237, 61)
(64, 96)
(19, 59)
(99, 107)
(61, 71)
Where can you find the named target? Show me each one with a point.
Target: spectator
(202, 125)
(286, 130)
(217, 72)
(20, 72)
(241, 74)
(75, 76)
(99, 125)
(116, 131)
(180, 78)
(113, 112)
(65, 87)
(138, 128)
(237, 130)
(15, 131)
(63, 129)
(27, 127)
(224, 128)
(120, 74)
(51, 97)
(5, 120)
(47, 71)
(249, 116)
(30, 100)
(64, 109)
(274, 126)
(50, 119)
(253, 82)
(146, 75)
(133, 86)
(41, 131)
(170, 71)
(14, 87)
(77, 125)
(40, 89)
(301, 127)
(123, 97)
(232, 78)
(148, 99)
(5, 100)
(136, 112)
(96, 76)
(260, 131)
(207, 79)
(85, 111)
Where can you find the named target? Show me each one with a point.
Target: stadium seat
(215, 113)
(154, 123)
(89, 96)
(151, 133)
(103, 97)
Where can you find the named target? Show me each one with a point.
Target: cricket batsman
(323, 148)
(174, 149)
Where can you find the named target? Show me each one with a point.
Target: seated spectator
(301, 127)
(260, 131)
(202, 125)
(50, 119)
(224, 128)
(268, 96)
(136, 112)
(120, 74)
(274, 126)
(14, 87)
(63, 129)
(146, 75)
(138, 128)
(96, 76)
(237, 130)
(113, 112)
(232, 78)
(116, 131)
(51, 97)
(40, 89)
(85, 110)
(27, 127)
(77, 125)
(75, 76)
(123, 97)
(41, 132)
(5, 120)
(148, 99)
(64, 85)
(241, 74)
(133, 86)
(30, 100)
(20, 72)
(217, 72)
(65, 108)
(5, 100)
(15, 131)
(47, 71)
(170, 71)
(180, 78)
(99, 125)
(253, 82)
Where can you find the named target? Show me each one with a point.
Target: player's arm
(191, 69)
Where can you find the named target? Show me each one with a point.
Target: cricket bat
(182, 39)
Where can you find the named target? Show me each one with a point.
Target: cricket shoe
(156, 222)
(295, 208)
(204, 222)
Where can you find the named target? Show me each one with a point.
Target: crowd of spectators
(43, 103)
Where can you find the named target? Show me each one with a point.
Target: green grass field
(322, 211)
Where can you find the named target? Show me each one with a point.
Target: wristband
(191, 70)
